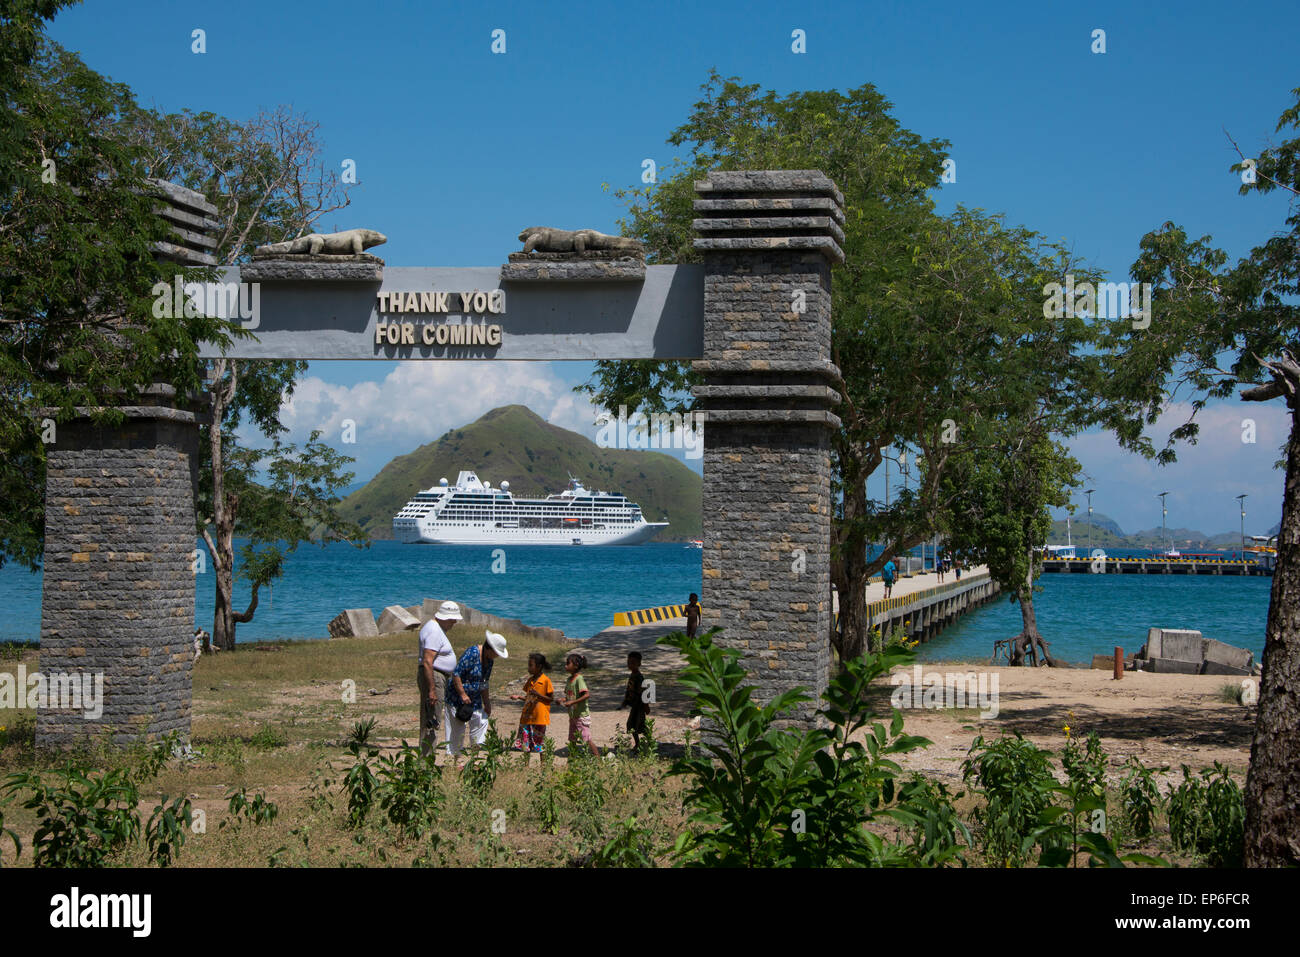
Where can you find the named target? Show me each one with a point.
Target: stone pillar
(117, 602)
(769, 240)
(118, 592)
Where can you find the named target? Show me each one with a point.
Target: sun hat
(497, 643)
(449, 611)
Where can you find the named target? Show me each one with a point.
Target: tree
(1216, 329)
(77, 231)
(268, 184)
(924, 307)
(998, 513)
(77, 228)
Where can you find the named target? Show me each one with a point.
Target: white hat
(497, 643)
(449, 611)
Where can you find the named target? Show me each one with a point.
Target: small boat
(1063, 551)
(695, 543)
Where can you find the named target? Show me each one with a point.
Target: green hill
(514, 444)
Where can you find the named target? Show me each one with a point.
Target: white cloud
(417, 402)
(1205, 480)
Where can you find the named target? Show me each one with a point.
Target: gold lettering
(497, 301)
(426, 302)
(427, 334)
(477, 335)
(380, 328)
(494, 335)
(442, 333)
(441, 303)
(465, 298)
(408, 333)
(458, 334)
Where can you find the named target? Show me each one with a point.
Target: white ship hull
(534, 536)
(473, 513)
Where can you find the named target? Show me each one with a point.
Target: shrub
(764, 796)
(1207, 816)
(1141, 796)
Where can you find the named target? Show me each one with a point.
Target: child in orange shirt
(537, 697)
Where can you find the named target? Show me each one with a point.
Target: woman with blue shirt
(469, 686)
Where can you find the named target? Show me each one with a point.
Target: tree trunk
(1273, 781)
(849, 573)
(1029, 641)
(223, 513)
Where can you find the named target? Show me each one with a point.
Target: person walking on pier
(887, 575)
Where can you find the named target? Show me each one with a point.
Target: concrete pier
(921, 606)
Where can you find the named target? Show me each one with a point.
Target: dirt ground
(1165, 720)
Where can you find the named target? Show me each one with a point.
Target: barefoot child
(538, 697)
(576, 699)
(635, 698)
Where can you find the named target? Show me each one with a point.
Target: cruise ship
(472, 512)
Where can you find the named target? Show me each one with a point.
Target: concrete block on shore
(1219, 668)
(354, 623)
(1229, 655)
(1174, 666)
(397, 618)
(1181, 643)
(480, 619)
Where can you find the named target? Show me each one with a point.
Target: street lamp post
(1163, 513)
(1088, 492)
(1241, 500)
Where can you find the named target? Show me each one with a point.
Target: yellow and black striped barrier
(649, 616)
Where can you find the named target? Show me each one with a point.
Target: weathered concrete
(397, 618)
(481, 619)
(767, 397)
(1173, 666)
(354, 623)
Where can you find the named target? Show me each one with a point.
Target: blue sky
(458, 148)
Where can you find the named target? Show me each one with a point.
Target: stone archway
(756, 315)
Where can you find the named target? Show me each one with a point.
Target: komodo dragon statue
(544, 239)
(349, 242)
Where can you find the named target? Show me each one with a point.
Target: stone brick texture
(118, 594)
(767, 473)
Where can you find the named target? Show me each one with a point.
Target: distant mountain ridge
(515, 444)
(1106, 533)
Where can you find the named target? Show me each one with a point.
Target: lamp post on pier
(1088, 492)
(1163, 513)
(1241, 500)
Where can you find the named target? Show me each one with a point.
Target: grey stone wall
(118, 597)
(769, 388)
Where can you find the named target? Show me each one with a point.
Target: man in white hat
(468, 688)
(437, 661)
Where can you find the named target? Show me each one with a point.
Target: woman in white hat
(468, 692)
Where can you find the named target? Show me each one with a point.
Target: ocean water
(578, 589)
(1085, 615)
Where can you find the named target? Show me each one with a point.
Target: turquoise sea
(580, 589)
